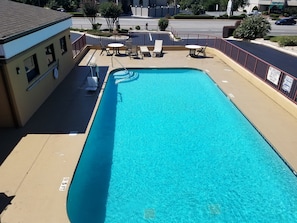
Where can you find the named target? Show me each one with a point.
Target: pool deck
(38, 172)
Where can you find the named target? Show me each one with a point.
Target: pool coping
(41, 190)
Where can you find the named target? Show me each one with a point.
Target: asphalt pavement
(281, 60)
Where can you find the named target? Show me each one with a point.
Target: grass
(104, 33)
(285, 40)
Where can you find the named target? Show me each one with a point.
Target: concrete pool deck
(38, 172)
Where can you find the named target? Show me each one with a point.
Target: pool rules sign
(273, 75)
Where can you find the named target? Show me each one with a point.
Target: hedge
(193, 17)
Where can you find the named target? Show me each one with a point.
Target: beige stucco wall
(27, 97)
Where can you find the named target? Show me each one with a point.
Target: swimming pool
(169, 146)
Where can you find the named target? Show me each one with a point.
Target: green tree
(110, 11)
(238, 3)
(196, 8)
(90, 10)
(252, 27)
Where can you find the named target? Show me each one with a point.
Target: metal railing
(78, 45)
(281, 81)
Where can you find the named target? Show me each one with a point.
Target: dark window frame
(50, 54)
(31, 67)
(63, 45)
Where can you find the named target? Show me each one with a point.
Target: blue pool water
(170, 147)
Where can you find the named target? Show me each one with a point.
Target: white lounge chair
(145, 51)
(158, 48)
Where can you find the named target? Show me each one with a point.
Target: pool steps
(125, 76)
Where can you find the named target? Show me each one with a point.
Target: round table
(115, 47)
(192, 49)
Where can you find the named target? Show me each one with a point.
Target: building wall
(154, 11)
(28, 95)
(292, 3)
(263, 5)
(6, 116)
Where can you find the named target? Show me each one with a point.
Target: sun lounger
(158, 48)
(145, 51)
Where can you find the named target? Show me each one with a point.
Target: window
(50, 54)
(63, 45)
(31, 67)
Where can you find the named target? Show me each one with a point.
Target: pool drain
(214, 209)
(149, 213)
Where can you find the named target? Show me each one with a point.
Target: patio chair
(144, 51)
(158, 48)
(104, 49)
(202, 51)
(128, 47)
(134, 52)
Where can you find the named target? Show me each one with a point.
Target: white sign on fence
(287, 83)
(273, 75)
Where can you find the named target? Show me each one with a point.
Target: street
(211, 27)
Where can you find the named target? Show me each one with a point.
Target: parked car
(60, 9)
(285, 21)
(254, 12)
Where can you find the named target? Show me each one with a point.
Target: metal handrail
(112, 58)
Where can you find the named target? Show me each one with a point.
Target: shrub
(123, 31)
(77, 14)
(287, 41)
(96, 26)
(284, 40)
(253, 27)
(183, 16)
(242, 16)
(163, 24)
(267, 37)
(137, 27)
(274, 39)
(274, 16)
(224, 16)
(197, 9)
(99, 33)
